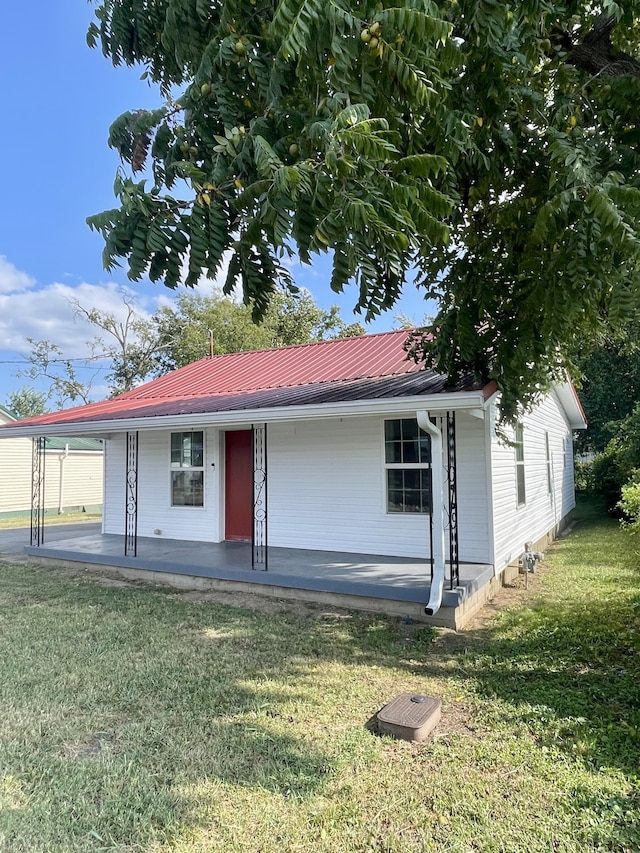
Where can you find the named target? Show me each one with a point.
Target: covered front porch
(396, 586)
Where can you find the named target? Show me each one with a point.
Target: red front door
(238, 485)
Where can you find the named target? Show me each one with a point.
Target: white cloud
(47, 313)
(11, 279)
(206, 286)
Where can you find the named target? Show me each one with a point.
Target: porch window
(187, 469)
(407, 453)
(519, 448)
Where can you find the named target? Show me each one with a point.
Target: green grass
(12, 522)
(137, 719)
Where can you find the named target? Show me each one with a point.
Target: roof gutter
(455, 401)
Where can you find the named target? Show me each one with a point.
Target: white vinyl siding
(200, 524)
(544, 509)
(82, 478)
(326, 490)
(334, 498)
(15, 475)
(81, 471)
(474, 508)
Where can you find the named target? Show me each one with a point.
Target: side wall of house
(326, 490)
(15, 475)
(81, 473)
(543, 509)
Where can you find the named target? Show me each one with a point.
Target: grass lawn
(135, 718)
(13, 522)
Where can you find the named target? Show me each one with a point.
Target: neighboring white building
(356, 449)
(74, 475)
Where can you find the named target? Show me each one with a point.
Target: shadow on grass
(179, 703)
(615, 819)
(572, 677)
(568, 664)
(199, 700)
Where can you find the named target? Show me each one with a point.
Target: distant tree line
(137, 348)
(610, 395)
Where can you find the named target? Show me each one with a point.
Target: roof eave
(447, 401)
(570, 402)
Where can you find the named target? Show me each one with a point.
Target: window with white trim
(519, 453)
(187, 468)
(407, 456)
(548, 459)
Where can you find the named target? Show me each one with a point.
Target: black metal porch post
(37, 490)
(131, 496)
(259, 543)
(452, 509)
(431, 561)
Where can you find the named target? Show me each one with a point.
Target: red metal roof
(423, 382)
(284, 367)
(342, 360)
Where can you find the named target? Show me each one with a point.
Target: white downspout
(437, 508)
(63, 456)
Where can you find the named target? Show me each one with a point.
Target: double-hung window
(187, 468)
(519, 450)
(407, 455)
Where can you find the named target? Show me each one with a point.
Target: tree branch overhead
(473, 147)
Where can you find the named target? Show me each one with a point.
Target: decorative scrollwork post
(131, 496)
(259, 547)
(452, 482)
(37, 491)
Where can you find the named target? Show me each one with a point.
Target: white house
(342, 446)
(74, 476)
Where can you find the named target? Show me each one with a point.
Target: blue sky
(58, 100)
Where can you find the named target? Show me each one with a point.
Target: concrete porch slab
(394, 585)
